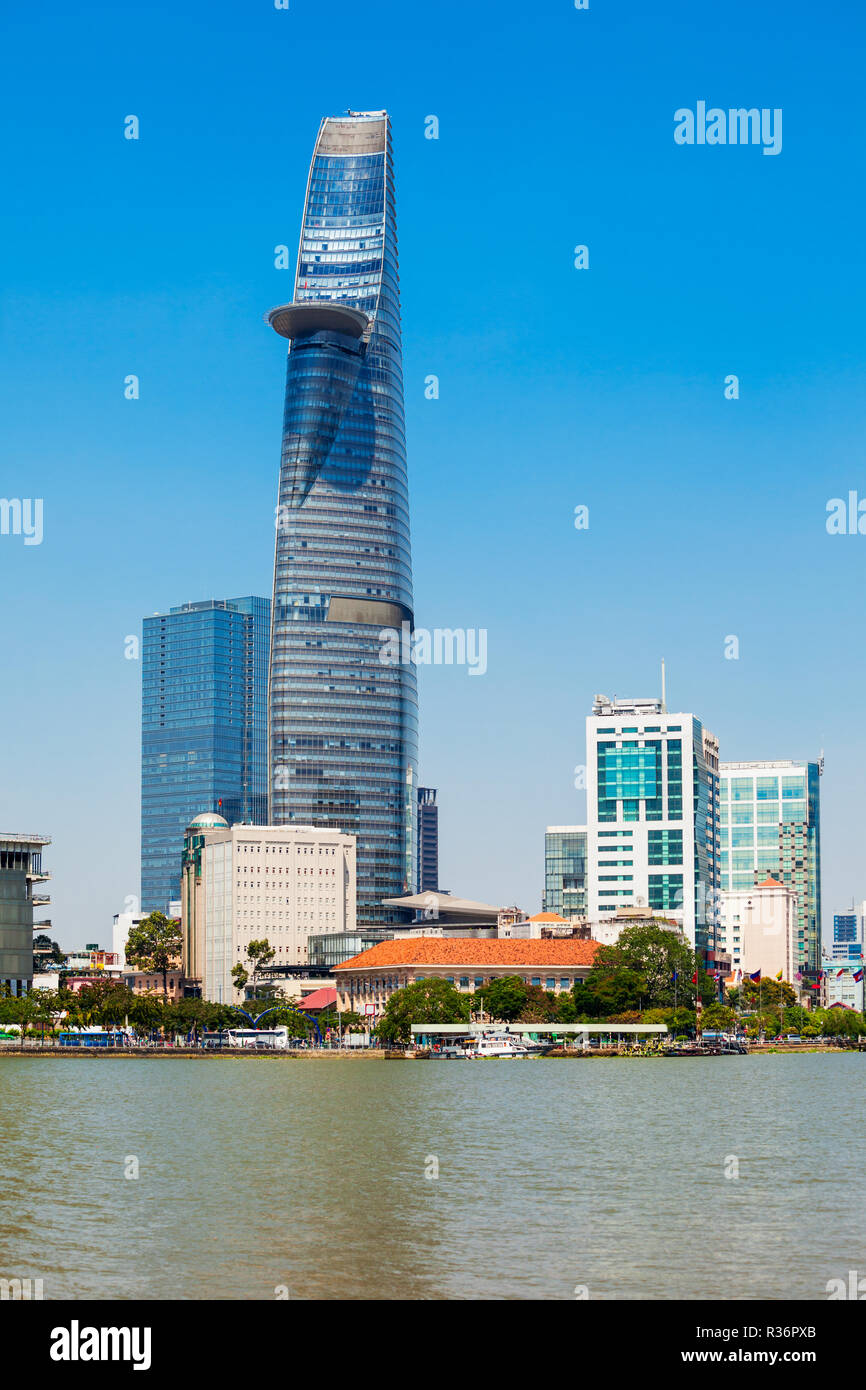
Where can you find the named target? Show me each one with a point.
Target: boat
(498, 1045)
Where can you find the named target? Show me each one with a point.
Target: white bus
(258, 1037)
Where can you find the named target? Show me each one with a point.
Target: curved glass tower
(343, 724)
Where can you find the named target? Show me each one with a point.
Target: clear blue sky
(558, 386)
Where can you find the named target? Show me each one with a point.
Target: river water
(704, 1178)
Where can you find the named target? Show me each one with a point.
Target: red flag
(695, 978)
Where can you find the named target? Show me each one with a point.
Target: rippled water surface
(608, 1174)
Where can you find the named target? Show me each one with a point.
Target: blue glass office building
(343, 722)
(203, 731)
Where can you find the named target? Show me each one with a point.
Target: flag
(779, 976)
(858, 976)
(756, 977)
(695, 978)
(739, 976)
(799, 975)
(839, 974)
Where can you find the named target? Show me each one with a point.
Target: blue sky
(557, 386)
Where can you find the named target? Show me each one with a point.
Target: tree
(427, 1001)
(842, 1023)
(155, 945)
(649, 966)
(718, 1018)
(105, 1002)
(259, 954)
(504, 998)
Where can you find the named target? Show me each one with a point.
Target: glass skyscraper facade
(342, 721)
(771, 824)
(565, 870)
(428, 841)
(203, 729)
(653, 817)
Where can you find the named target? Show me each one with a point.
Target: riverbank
(372, 1053)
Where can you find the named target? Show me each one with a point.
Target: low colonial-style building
(366, 982)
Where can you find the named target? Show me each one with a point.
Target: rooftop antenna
(664, 706)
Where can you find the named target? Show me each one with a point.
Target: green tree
(650, 966)
(842, 1023)
(258, 954)
(427, 1001)
(155, 945)
(717, 1018)
(503, 998)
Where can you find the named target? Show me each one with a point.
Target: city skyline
(706, 515)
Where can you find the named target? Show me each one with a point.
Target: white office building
(282, 884)
(759, 930)
(121, 927)
(841, 986)
(652, 817)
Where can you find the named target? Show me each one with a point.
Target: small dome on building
(208, 820)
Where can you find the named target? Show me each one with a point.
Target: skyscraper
(771, 824)
(203, 729)
(653, 815)
(565, 870)
(343, 723)
(428, 840)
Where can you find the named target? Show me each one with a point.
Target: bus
(260, 1039)
(94, 1037)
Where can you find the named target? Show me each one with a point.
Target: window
(550, 983)
(536, 979)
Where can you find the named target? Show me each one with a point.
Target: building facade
(366, 982)
(842, 987)
(204, 729)
(282, 884)
(771, 824)
(21, 873)
(565, 870)
(428, 841)
(759, 930)
(847, 943)
(343, 717)
(653, 817)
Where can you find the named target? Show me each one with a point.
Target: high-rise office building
(282, 884)
(342, 719)
(428, 841)
(565, 870)
(848, 934)
(21, 872)
(652, 816)
(770, 824)
(203, 729)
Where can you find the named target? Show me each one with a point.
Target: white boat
(497, 1045)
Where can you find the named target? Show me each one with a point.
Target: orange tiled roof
(547, 917)
(469, 951)
(771, 883)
